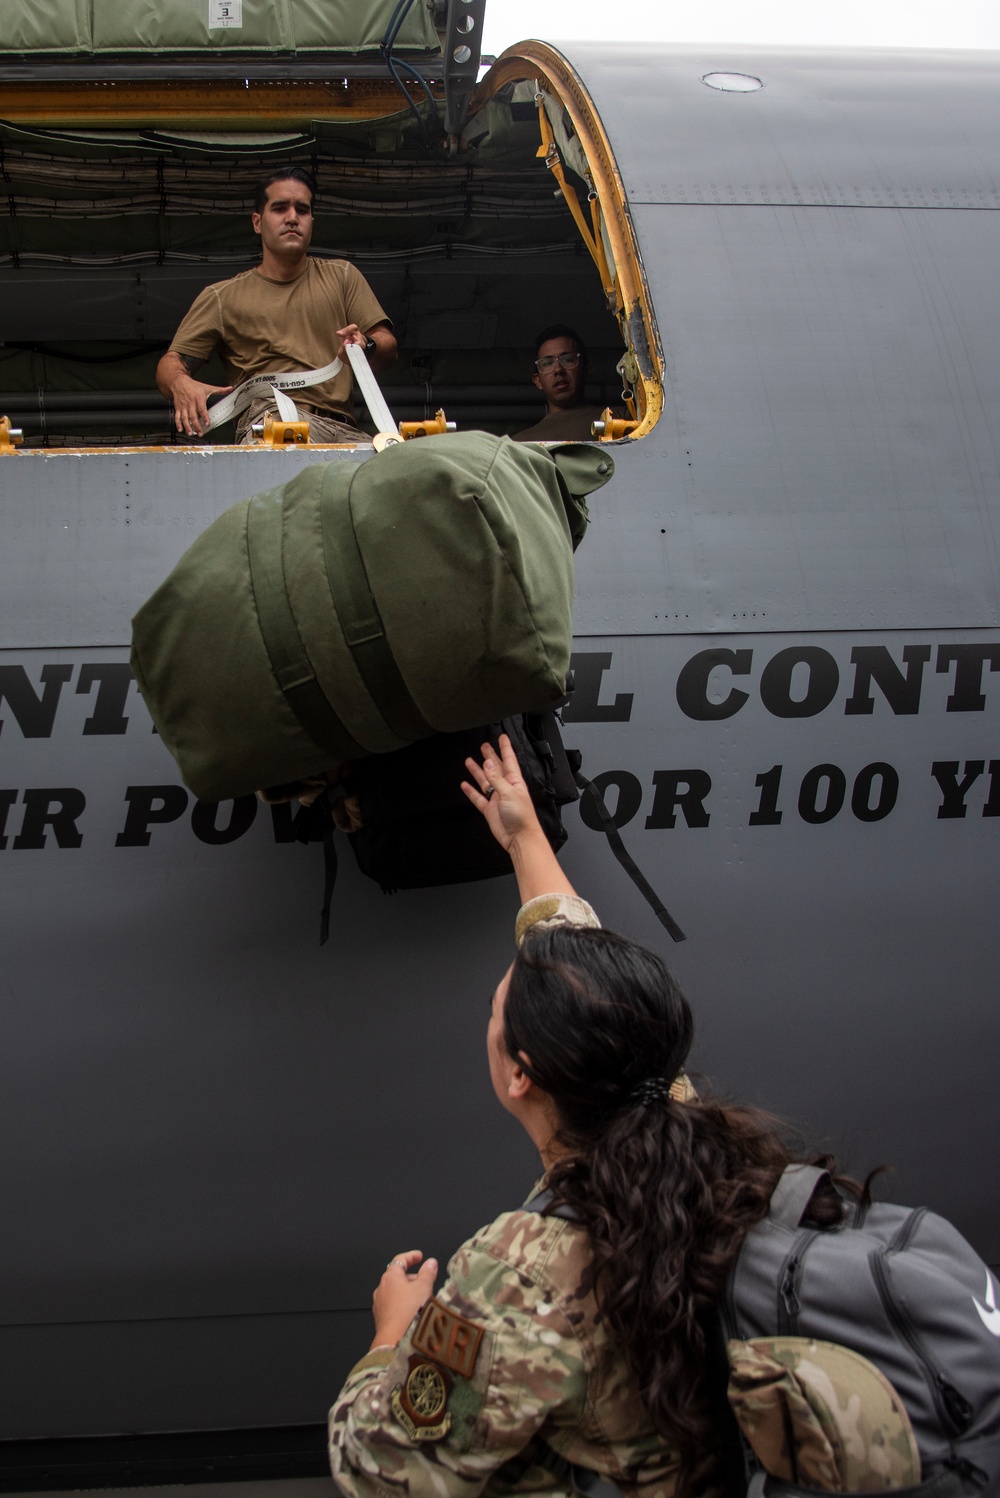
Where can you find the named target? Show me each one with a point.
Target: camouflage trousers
(322, 427)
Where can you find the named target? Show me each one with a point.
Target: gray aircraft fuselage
(788, 682)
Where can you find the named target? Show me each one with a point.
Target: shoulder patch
(419, 1403)
(447, 1338)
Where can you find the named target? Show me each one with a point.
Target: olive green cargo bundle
(363, 606)
(83, 27)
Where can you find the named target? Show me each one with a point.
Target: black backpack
(418, 827)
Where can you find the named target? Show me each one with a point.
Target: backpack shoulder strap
(580, 1480)
(541, 1203)
(793, 1193)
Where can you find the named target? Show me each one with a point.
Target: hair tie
(651, 1090)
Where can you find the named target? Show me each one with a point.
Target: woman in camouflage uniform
(556, 1341)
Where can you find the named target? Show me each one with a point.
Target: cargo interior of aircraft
(129, 184)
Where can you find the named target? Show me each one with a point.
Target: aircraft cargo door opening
(126, 198)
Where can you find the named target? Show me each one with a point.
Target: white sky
(841, 23)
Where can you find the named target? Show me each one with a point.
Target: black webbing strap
(736, 1461)
(359, 616)
(289, 661)
(582, 1480)
(329, 880)
(314, 824)
(944, 1485)
(626, 860)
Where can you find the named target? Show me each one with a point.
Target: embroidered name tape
(448, 1339)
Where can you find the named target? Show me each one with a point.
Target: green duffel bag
(363, 606)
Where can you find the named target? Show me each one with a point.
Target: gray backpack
(898, 1285)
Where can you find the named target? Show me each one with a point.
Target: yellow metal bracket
(592, 234)
(11, 438)
(273, 433)
(611, 428)
(607, 278)
(433, 427)
(549, 153)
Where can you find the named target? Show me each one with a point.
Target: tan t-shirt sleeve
(360, 302)
(200, 331)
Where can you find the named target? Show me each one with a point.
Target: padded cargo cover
(157, 26)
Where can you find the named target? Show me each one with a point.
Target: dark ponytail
(666, 1189)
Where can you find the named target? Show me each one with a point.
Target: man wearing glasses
(561, 370)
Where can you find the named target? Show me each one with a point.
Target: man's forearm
(171, 368)
(385, 352)
(381, 360)
(188, 396)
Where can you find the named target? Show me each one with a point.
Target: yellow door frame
(625, 281)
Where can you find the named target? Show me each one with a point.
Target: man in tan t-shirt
(292, 312)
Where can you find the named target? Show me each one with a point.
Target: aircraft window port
(733, 83)
(125, 203)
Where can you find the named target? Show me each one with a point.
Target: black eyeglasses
(568, 361)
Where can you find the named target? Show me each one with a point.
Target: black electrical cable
(424, 137)
(421, 80)
(395, 22)
(391, 61)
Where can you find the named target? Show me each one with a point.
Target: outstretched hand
(500, 793)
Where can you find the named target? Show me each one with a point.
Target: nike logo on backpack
(988, 1313)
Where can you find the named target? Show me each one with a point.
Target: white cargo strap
(272, 386)
(265, 387)
(369, 387)
(287, 409)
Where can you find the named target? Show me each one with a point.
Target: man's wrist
(371, 346)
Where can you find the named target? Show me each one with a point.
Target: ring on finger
(488, 792)
(400, 1262)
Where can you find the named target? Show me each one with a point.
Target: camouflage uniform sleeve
(477, 1411)
(553, 910)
